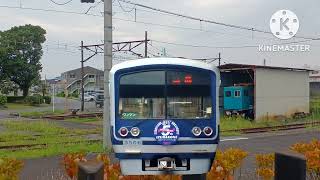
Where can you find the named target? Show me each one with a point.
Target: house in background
(93, 80)
(315, 83)
(56, 84)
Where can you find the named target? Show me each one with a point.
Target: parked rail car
(164, 116)
(238, 100)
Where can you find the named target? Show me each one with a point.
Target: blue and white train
(164, 115)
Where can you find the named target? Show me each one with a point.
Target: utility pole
(146, 45)
(219, 58)
(82, 79)
(53, 94)
(107, 68)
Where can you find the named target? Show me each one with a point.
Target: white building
(278, 91)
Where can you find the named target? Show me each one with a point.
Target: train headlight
(196, 131)
(208, 131)
(123, 131)
(135, 131)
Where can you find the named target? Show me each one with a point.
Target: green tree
(7, 86)
(20, 54)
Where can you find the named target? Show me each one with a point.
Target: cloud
(211, 3)
(72, 29)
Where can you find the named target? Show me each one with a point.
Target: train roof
(163, 61)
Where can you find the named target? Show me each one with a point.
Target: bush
(47, 99)
(311, 151)
(10, 168)
(3, 100)
(34, 100)
(15, 99)
(74, 94)
(61, 94)
(223, 167)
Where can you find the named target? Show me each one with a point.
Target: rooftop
(232, 66)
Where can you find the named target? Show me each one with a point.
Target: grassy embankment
(50, 138)
(18, 106)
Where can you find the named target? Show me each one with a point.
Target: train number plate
(130, 142)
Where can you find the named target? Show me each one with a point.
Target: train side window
(237, 93)
(228, 93)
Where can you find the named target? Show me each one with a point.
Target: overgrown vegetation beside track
(31, 139)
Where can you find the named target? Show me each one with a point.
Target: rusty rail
(68, 116)
(274, 128)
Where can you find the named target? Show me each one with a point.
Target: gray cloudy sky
(65, 31)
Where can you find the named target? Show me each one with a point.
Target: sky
(66, 30)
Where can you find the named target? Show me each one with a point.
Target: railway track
(274, 128)
(43, 145)
(68, 116)
(244, 131)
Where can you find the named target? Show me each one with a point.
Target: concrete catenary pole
(107, 68)
(82, 79)
(53, 94)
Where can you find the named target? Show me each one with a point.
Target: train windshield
(165, 94)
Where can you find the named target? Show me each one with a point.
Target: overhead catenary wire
(94, 6)
(231, 47)
(61, 4)
(123, 9)
(49, 10)
(127, 20)
(252, 29)
(79, 13)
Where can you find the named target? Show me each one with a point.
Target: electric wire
(231, 47)
(126, 20)
(94, 6)
(252, 29)
(127, 11)
(61, 4)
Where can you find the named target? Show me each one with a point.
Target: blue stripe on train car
(175, 155)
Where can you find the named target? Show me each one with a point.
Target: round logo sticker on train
(166, 132)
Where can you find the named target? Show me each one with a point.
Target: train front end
(164, 116)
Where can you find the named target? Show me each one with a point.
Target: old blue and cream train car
(164, 115)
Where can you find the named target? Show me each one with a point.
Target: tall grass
(50, 138)
(238, 122)
(45, 127)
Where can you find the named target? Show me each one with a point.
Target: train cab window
(188, 95)
(237, 93)
(228, 93)
(142, 95)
